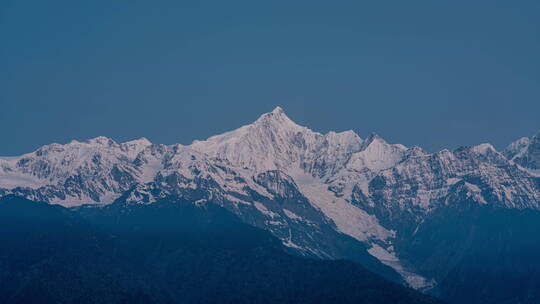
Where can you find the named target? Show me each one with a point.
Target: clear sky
(438, 74)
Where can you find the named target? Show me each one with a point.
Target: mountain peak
(276, 117)
(483, 148)
(143, 141)
(134, 147)
(516, 147)
(272, 141)
(526, 152)
(100, 140)
(278, 110)
(376, 154)
(373, 138)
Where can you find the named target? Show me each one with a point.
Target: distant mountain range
(457, 224)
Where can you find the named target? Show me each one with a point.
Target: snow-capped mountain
(525, 152)
(76, 173)
(274, 142)
(331, 195)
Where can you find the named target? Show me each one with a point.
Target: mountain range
(459, 224)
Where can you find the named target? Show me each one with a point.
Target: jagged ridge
(301, 185)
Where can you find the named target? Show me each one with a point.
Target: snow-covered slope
(525, 152)
(274, 141)
(97, 170)
(421, 183)
(307, 188)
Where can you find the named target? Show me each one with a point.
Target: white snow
(134, 147)
(378, 155)
(452, 180)
(9, 158)
(10, 180)
(534, 172)
(484, 148)
(292, 215)
(150, 169)
(348, 218)
(315, 162)
(389, 258)
(517, 148)
(262, 208)
(476, 193)
(473, 187)
(272, 142)
(73, 201)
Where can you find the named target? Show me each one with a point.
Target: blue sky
(438, 74)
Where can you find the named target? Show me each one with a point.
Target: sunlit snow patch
(389, 258)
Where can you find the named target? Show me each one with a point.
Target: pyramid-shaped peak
(276, 118)
(278, 110)
(374, 141)
(276, 113)
(374, 137)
